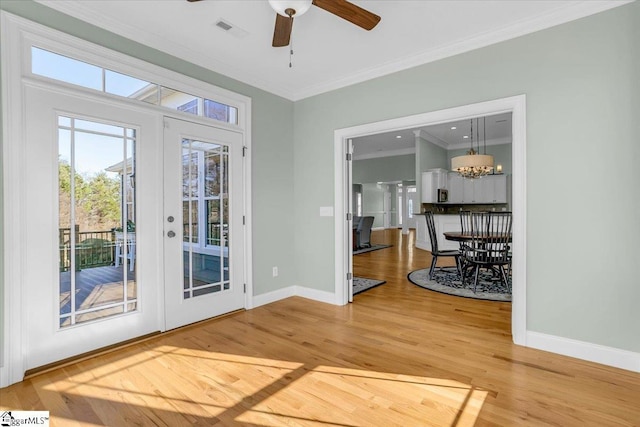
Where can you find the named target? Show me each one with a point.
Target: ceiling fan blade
(191, 1)
(282, 31)
(349, 11)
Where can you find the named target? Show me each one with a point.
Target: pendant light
(474, 165)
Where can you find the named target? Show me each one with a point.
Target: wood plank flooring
(398, 356)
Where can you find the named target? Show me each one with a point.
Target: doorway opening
(342, 141)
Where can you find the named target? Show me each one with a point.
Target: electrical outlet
(275, 271)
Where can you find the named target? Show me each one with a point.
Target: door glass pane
(205, 244)
(97, 239)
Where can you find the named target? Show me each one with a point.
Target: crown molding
(465, 145)
(386, 153)
(422, 134)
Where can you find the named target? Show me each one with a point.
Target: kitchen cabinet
(455, 187)
(485, 190)
(431, 181)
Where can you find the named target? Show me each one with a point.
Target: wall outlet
(275, 271)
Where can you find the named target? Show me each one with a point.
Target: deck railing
(98, 248)
(93, 248)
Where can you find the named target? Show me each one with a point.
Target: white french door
(203, 222)
(89, 249)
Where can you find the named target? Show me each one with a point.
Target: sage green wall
(272, 150)
(384, 169)
(501, 155)
(583, 103)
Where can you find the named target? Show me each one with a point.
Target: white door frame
(517, 106)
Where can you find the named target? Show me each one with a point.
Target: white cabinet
(469, 191)
(456, 188)
(499, 188)
(431, 181)
(485, 190)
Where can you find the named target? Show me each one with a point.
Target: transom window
(73, 71)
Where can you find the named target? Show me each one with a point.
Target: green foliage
(97, 197)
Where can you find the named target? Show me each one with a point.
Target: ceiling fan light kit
(286, 10)
(283, 7)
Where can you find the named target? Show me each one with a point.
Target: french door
(203, 222)
(89, 249)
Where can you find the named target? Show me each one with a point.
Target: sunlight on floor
(260, 391)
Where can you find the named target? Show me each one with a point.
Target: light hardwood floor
(398, 356)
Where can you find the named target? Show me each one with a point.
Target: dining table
(459, 236)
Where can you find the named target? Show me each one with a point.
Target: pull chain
(290, 54)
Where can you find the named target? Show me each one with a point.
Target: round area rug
(447, 281)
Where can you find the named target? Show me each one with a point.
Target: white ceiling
(329, 52)
(498, 131)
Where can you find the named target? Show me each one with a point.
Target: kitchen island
(443, 223)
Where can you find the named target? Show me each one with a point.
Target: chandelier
(473, 164)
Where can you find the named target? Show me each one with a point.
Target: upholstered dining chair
(489, 246)
(363, 233)
(435, 252)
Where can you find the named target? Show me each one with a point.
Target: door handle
(171, 233)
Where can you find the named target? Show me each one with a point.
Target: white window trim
(18, 35)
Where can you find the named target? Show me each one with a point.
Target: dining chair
(363, 233)
(435, 252)
(465, 222)
(489, 245)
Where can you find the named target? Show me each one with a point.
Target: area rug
(361, 284)
(447, 281)
(372, 248)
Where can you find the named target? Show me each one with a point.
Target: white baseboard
(610, 356)
(316, 295)
(300, 291)
(272, 296)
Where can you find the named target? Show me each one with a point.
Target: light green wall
(501, 155)
(583, 103)
(272, 150)
(384, 169)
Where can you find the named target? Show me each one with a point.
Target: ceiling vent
(224, 25)
(229, 28)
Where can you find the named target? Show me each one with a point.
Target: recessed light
(466, 137)
(453, 128)
(398, 136)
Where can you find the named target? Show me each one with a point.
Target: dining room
(426, 154)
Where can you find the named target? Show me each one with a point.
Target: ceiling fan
(287, 9)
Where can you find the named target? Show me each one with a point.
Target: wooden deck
(400, 355)
(95, 287)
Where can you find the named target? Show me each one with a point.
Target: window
(69, 70)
